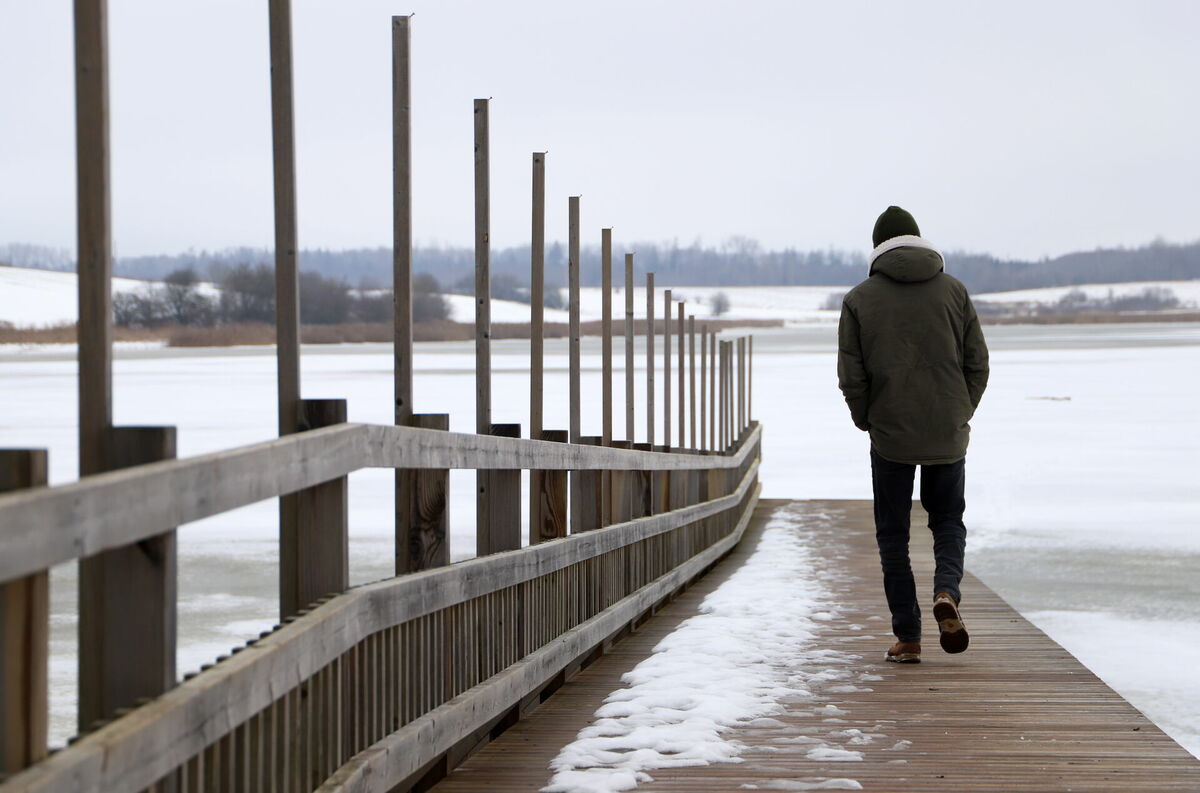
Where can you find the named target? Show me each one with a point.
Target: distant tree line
(739, 261)
(246, 293)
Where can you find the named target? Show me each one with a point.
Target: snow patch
(727, 667)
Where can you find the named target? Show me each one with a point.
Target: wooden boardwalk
(1016, 712)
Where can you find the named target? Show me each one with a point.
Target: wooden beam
(24, 637)
(666, 369)
(606, 368)
(537, 312)
(573, 346)
(551, 493)
(94, 233)
(606, 362)
(590, 507)
(483, 303)
(650, 360)
(127, 601)
(692, 380)
(406, 507)
(502, 532)
(402, 351)
(704, 440)
(713, 443)
(399, 755)
(48, 526)
(630, 366)
(679, 331)
(132, 753)
(427, 542)
(315, 560)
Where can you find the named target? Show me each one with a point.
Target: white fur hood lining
(903, 241)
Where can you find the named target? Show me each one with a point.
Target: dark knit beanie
(894, 222)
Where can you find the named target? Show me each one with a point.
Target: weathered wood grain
(46, 527)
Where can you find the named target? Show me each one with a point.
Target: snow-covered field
(42, 297)
(45, 297)
(1186, 291)
(1082, 503)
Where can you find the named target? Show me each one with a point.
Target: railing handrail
(42, 527)
(134, 752)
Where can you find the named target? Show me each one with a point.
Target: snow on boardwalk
(768, 675)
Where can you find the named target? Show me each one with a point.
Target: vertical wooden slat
(679, 331)
(24, 636)
(314, 555)
(691, 324)
(483, 303)
(666, 369)
(502, 532)
(537, 312)
(127, 601)
(650, 359)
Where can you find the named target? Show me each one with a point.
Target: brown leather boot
(904, 653)
(954, 637)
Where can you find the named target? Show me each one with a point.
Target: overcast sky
(1017, 128)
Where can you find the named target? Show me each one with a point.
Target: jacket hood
(907, 259)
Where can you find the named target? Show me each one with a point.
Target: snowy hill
(45, 297)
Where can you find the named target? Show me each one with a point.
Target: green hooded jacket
(912, 362)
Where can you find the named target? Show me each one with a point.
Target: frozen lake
(1083, 508)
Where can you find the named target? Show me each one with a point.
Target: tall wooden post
(537, 330)
(24, 637)
(679, 331)
(667, 369)
(127, 601)
(483, 309)
(692, 379)
(552, 509)
(573, 346)
(650, 359)
(94, 233)
(408, 533)
(714, 444)
(630, 417)
(606, 367)
(750, 382)
(704, 439)
(606, 363)
(287, 278)
(741, 373)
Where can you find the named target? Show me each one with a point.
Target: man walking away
(912, 364)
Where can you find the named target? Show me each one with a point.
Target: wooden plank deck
(1015, 713)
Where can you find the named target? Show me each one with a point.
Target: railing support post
(503, 529)
(589, 508)
(127, 601)
(425, 541)
(314, 557)
(24, 636)
(643, 488)
(621, 491)
(550, 491)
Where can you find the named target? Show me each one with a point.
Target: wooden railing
(376, 687)
(380, 687)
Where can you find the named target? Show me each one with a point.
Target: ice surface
(1049, 482)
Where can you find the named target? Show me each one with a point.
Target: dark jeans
(942, 498)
